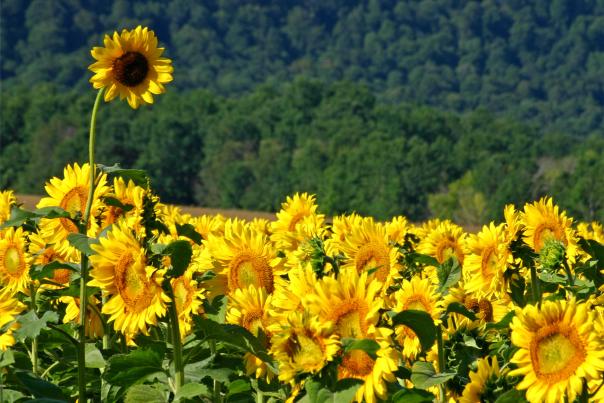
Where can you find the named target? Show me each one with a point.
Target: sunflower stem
(34, 343)
(535, 287)
(179, 369)
(441, 360)
(216, 385)
(569, 274)
(84, 260)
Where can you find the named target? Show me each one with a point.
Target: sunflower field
(107, 294)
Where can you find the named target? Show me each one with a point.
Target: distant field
(29, 202)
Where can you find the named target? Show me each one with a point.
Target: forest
(418, 108)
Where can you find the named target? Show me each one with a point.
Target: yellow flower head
(119, 269)
(285, 230)
(208, 224)
(542, 221)
(71, 194)
(512, 223)
(189, 297)
(367, 247)
(94, 325)
(14, 260)
(10, 308)
(302, 344)
(558, 348)
(129, 194)
(289, 294)
(44, 254)
(490, 308)
(341, 227)
(417, 294)
(7, 200)
(443, 241)
(130, 65)
(488, 368)
(593, 230)
(486, 261)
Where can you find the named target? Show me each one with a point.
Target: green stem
(569, 274)
(216, 397)
(441, 360)
(34, 343)
(535, 287)
(106, 329)
(179, 368)
(84, 262)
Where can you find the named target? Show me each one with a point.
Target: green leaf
(216, 310)
(412, 396)
(219, 374)
(145, 394)
(6, 358)
(32, 325)
(369, 346)
(422, 259)
(593, 248)
(345, 390)
(11, 396)
(180, 256)
(112, 201)
(82, 243)
(511, 396)
(189, 231)
(470, 342)
(504, 323)
(462, 310)
(40, 388)
(94, 358)
(38, 272)
(129, 369)
(552, 278)
(191, 390)
(424, 376)
(420, 322)
(239, 386)
(449, 273)
(19, 216)
(138, 176)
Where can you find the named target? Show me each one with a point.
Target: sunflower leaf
(20, 216)
(189, 231)
(32, 325)
(145, 394)
(38, 272)
(462, 310)
(138, 176)
(424, 376)
(112, 201)
(128, 369)
(504, 323)
(40, 388)
(449, 273)
(412, 396)
(369, 346)
(180, 253)
(82, 243)
(420, 322)
(191, 390)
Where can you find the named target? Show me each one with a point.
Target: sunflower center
(132, 284)
(547, 231)
(356, 364)
(307, 352)
(483, 307)
(252, 321)
(447, 249)
(61, 276)
(349, 318)
(489, 262)
(13, 261)
(374, 255)
(130, 69)
(296, 218)
(556, 352)
(249, 269)
(73, 202)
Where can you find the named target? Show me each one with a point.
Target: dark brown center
(130, 69)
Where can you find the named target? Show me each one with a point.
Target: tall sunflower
(487, 372)
(302, 344)
(14, 260)
(417, 294)
(119, 268)
(542, 221)
(130, 65)
(558, 348)
(293, 211)
(71, 194)
(7, 200)
(486, 261)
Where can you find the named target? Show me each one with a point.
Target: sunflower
(487, 308)
(189, 297)
(128, 194)
(302, 344)
(374, 372)
(130, 65)
(7, 200)
(208, 224)
(14, 260)
(351, 302)
(71, 194)
(289, 294)
(367, 248)
(512, 223)
(443, 241)
(542, 221)
(10, 308)
(397, 229)
(341, 227)
(593, 230)
(417, 294)
(487, 372)
(294, 210)
(240, 258)
(486, 261)
(310, 234)
(558, 348)
(94, 324)
(249, 308)
(134, 289)
(44, 254)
